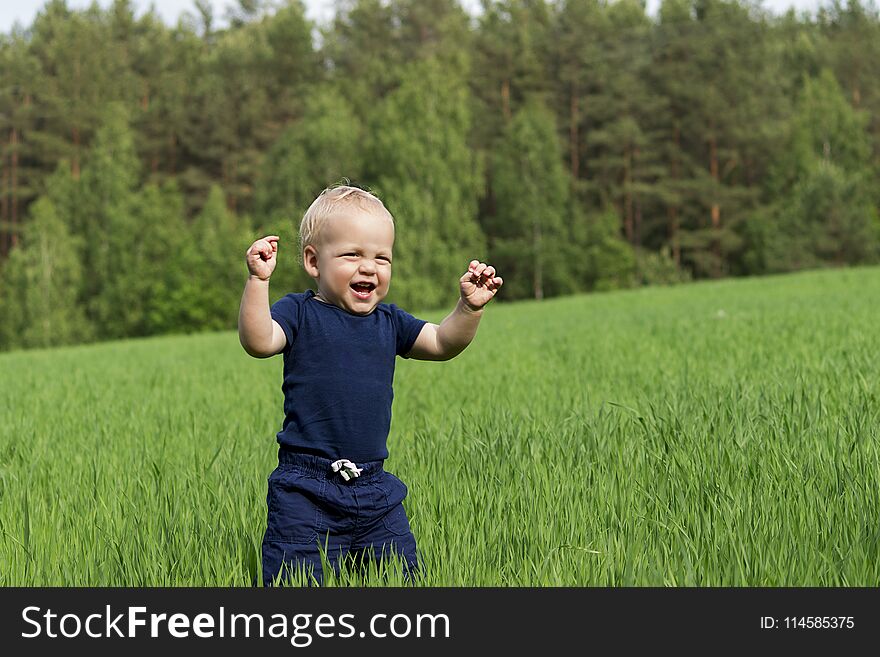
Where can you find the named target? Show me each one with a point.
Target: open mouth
(362, 290)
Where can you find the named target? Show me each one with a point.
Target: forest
(577, 146)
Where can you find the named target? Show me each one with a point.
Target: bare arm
(259, 334)
(455, 332)
(450, 338)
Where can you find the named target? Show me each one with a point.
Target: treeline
(577, 145)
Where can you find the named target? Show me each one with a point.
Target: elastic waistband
(319, 467)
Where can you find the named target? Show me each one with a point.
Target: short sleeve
(285, 311)
(407, 329)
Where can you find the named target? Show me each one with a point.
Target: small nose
(367, 266)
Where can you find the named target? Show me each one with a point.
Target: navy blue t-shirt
(338, 370)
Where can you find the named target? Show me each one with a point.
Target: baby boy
(330, 491)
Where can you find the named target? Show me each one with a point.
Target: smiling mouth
(362, 290)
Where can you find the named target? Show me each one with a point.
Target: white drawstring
(346, 468)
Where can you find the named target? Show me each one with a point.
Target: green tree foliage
(511, 50)
(724, 110)
(529, 237)
(827, 216)
(830, 220)
(309, 155)
(363, 52)
(852, 30)
(716, 139)
(216, 266)
(244, 89)
(608, 262)
(580, 37)
(161, 273)
(161, 61)
(623, 157)
(109, 187)
(83, 68)
(434, 29)
(321, 149)
(40, 285)
(826, 126)
(430, 180)
(19, 81)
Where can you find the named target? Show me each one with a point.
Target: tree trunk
(672, 225)
(14, 189)
(637, 207)
(713, 169)
(172, 154)
(4, 209)
(573, 134)
(145, 106)
(672, 210)
(539, 274)
(716, 209)
(231, 198)
(627, 198)
(74, 163)
(505, 99)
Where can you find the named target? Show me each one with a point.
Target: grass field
(721, 433)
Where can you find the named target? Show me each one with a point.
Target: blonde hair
(333, 201)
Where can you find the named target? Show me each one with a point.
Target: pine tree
(362, 52)
(511, 51)
(624, 157)
(84, 68)
(20, 173)
(853, 36)
(434, 29)
(723, 115)
(160, 67)
(290, 67)
(580, 36)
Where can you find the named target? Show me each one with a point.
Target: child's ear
(310, 261)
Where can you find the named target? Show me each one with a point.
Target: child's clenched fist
(261, 259)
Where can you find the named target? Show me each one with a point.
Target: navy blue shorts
(311, 508)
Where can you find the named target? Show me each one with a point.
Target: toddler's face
(352, 264)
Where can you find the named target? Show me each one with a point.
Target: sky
(24, 11)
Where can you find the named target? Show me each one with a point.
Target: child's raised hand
(261, 257)
(479, 284)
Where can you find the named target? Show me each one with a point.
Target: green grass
(721, 433)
